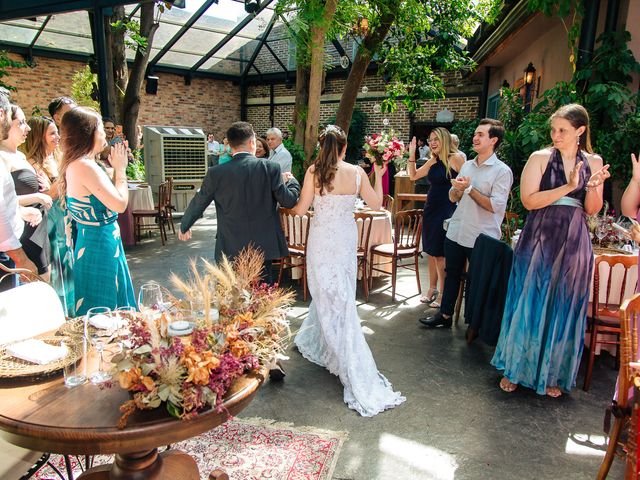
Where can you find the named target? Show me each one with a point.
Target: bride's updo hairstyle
(79, 126)
(332, 142)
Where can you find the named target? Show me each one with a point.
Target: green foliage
(132, 37)
(355, 137)
(601, 87)
(82, 88)
(135, 168)
(465, 129)
(36, 111)
(297, 155)
(5, 64)
(425, 40)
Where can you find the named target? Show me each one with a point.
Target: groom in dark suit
(247, 191)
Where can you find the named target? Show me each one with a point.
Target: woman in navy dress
(543, 325)
(444, 164)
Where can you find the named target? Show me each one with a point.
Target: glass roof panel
(16, 34)
(238, 48)
(226, 66)
(61, 41)
(266, 63)
(72, 23)
(177, 58)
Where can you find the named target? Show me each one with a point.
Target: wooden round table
(49, 417)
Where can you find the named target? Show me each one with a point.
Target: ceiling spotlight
(250, 6)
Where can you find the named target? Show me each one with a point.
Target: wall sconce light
(529, 74)
(505, 85)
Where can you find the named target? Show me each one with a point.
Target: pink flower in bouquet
(383, 147)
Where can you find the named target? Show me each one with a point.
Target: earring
(578, 140)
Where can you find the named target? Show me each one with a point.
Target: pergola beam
(230, 35)
(12, 9)
(194, 18)
(265, 35)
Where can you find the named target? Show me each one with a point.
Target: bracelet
(411, 161)
(590, 189)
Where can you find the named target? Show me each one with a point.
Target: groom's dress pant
(455, 256)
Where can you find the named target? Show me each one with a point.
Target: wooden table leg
(169, 465)
(218, 474)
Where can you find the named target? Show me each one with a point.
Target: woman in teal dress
(40, 147)
(101, 273)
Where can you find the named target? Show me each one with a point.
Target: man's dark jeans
(454, 260)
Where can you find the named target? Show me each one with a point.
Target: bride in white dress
(331, 335)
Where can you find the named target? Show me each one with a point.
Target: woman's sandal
(429, 298)
(436, 303)
(554, 392)
(507, 386)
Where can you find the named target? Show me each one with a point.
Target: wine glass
(150, 298)
(600, 232)
(100, 376)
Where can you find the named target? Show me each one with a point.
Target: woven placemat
(12, 367)
(610, 251)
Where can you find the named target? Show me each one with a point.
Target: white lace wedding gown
(331, 335)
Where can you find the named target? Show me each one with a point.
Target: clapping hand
(43, 181)
(412, 147)
(460, 183)
(118, 157)
(574, 176)
(599, 177)
(635, 167)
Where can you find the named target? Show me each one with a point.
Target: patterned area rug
(251, 449)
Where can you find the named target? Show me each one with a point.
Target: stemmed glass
(98, 342)
(150, 298)
(101, 375)
(600, 232)
(123, 316)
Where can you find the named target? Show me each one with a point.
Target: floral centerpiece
(382, 148)
(603, 234)
(192, 373)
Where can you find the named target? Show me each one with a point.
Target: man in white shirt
(423, 148)
(11, 222)
(277, 151)
(212, 145)
(482, 190)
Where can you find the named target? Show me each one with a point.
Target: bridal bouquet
(192, 373)
(383, 147)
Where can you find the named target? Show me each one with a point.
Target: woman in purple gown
(545, 314)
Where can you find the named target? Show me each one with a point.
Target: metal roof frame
(230, 35)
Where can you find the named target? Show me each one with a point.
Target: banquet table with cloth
(380, 233)
(140, 198)
(46, 416)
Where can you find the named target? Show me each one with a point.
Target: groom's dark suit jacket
(247, 191)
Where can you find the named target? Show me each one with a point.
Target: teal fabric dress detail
(61, 260)
(101, 273)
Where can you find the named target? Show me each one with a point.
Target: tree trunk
(302, 102)
(370, 45)
(116, 50)
(318, 34)
(131, 102)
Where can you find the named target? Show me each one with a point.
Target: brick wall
(207, 103)
(463, 100)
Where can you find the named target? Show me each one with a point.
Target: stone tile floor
(456, 422)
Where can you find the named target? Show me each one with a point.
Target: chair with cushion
(364, 221)
(296, 232)
(630, 316)
(406, 245)
(605, 316)
(158, 214)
